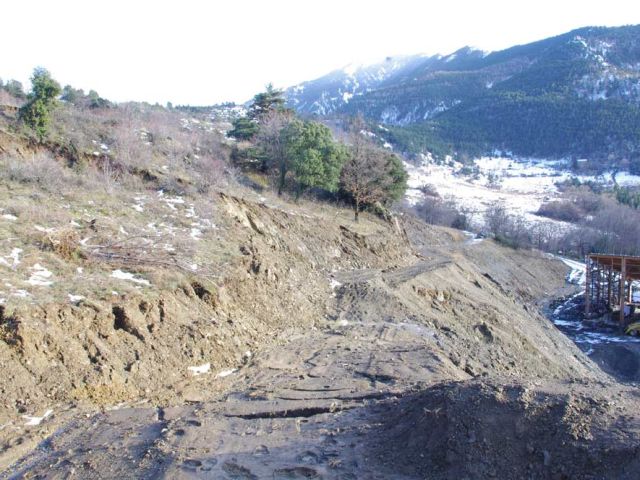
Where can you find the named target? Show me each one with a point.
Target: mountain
(330, 93)
(576, 94)
(333, 92)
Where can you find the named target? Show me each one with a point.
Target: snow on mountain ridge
(328, 93)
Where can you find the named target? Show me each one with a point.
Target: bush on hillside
(36, 113)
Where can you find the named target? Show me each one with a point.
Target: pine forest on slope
(573, 95)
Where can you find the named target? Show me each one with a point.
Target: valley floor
(521, 185)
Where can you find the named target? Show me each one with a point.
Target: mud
(432, 362)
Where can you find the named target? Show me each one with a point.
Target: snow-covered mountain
(576, 94)
(333, 91)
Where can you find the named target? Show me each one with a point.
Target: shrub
(508, 229)
(435, 211)
(36, 113)
(562, 210)
(40, 169)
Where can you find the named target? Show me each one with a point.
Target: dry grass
(129, 188)
(82, 236)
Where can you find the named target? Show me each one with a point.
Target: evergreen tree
(72, 95)
(271, 99)
(398, 175)
(36, 113)
(243, 128)
(316, 160)
(96, 101)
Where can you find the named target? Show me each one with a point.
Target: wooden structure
(609, 283)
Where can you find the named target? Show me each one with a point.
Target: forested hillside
(577, 94)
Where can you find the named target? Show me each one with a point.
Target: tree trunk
(357, 210)
(283, 176)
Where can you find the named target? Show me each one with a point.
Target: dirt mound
(479, 429)
(484, 326)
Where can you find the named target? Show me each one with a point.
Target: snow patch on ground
(40, 276)
(472, 239)
(34, 421)
(333, 283)
(578, 274)
(521, 185)
(626, 179)
(119, 274)
(12, 260)
(173, 201)
(226, 373)
(75, 298)
(200, 369)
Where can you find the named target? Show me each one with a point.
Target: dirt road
(358, 395)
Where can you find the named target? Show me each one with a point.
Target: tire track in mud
(297, 411)
(392, 277)
(318, 406)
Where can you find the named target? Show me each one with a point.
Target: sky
(202, 52)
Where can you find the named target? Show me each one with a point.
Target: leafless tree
(437, 211)
(365, 175)
(496, 219)
(510, 229)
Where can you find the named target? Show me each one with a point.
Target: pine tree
(243, 129)
(270, 100)
(316, 160)
(398, 184)
(36, 113)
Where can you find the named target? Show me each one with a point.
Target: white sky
(204, 52)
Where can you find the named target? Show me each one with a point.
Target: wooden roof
(632, 264)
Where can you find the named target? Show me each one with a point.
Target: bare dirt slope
(139, 345)
(370, 357)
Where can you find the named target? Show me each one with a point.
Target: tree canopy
(316, 159)
(264, 102)
(36, 113)
(243, 128)
(303, 154)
